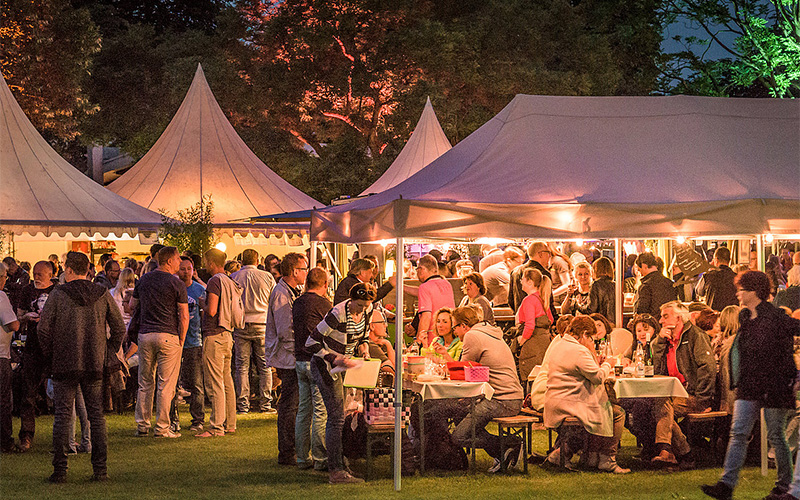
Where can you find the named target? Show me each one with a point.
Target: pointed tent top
(200, 154)
(426, 143)
(42, 192)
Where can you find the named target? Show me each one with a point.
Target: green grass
(245, 465)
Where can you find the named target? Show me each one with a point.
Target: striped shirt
(337, 334)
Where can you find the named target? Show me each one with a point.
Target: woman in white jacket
(575, 388)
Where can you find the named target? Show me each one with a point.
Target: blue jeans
(332, 389)
(309, 429)
(745, 415)
(248, 347)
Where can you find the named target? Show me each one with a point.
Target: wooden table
(660, 386)
(447, 389)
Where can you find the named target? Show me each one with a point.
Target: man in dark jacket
(763, 372)
(717, 285)
(683, 351)
(656, 289)
(361, 271)
(539, 256)
(72, 334)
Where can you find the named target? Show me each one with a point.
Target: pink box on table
(476, 373)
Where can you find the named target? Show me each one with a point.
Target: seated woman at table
(601, 296)
(575, 388)
(474, 291)
(578, 293)
(604, 328)
(483, 343)
(640, 421)
(533, 320)
(446, 344)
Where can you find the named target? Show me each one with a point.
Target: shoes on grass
(343, 477)
(140, 433)
(720, 491)
(196, 428)
(665, 457)
(99, 477)
(170, 434)
(209, 434)
(608, 463)
(57, 478)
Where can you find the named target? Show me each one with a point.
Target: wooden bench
(569, 426)
(717, 420)
(378, 433)
(517, 426)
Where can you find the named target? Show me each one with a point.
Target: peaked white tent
(42, 193)
(598, 167)
(200, 154)
(426, 143)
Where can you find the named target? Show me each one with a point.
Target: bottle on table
(639, 360)
(648, 359)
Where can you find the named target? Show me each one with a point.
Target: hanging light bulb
(221, 246)
(681, 240)
(769, 238)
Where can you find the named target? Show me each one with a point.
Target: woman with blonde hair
(728, 325)
(578, 294)
(533, 320)
(125, 283)
(446, 344)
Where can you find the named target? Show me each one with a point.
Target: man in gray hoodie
(483, 343)
(73, 325)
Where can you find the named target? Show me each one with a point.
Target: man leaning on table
(683, 351)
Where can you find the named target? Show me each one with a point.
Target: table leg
(472, 412)
(422, 437)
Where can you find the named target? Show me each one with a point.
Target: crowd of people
(233, 334)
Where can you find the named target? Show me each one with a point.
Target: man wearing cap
(343, 334)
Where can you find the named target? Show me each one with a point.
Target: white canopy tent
(42, 193)
(598, 167)
(594, 167)
(200, 154)
(426, 143)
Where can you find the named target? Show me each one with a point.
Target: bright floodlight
(681, 240)
(769, 238)
(221, 246)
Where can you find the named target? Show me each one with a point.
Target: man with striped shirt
(343, 334)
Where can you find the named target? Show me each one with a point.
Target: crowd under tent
(200, 154)
(598, 167)
(46, 199)
(568, 168)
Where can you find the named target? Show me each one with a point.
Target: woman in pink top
(533, 321)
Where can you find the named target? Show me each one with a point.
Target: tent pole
(619, 279)
(398, 362)
(313, 255)
(760, 253)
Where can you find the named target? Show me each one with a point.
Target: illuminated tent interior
(597, 167)
(42, 193)
(200, 154)
(426, 143)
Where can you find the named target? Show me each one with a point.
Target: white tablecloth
(649, 387)
(446, 389)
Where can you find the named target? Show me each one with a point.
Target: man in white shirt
(248, 343)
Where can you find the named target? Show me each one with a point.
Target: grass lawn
(245, 465)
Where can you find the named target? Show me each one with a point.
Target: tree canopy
(325, 92)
